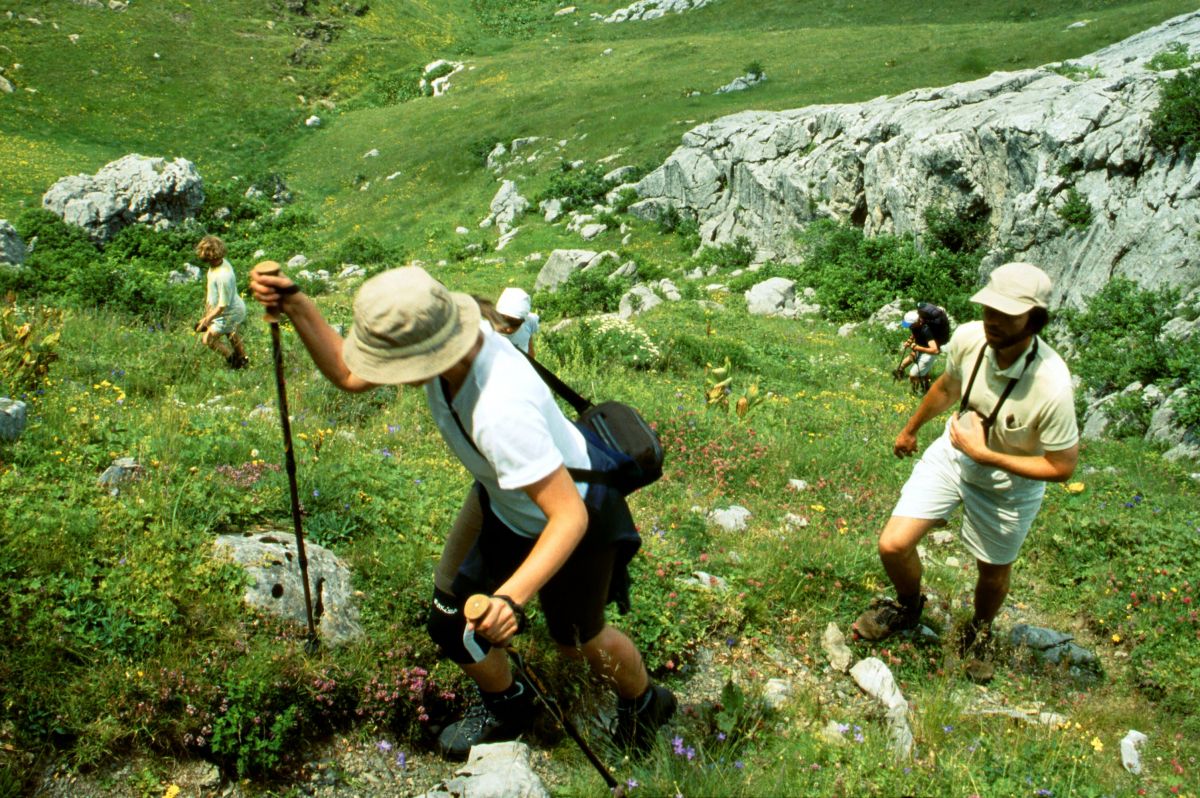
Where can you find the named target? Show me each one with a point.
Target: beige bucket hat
(408, 327)
(1015, 288)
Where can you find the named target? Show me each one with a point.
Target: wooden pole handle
(271, 269)
(477, 606)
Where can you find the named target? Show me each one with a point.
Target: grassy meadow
(121, 635)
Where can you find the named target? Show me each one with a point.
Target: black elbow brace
(446, 626)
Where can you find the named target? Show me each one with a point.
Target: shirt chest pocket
(1016, 434)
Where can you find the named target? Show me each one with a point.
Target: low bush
(28, 345)
(736, 255)
(1175, 122)
(1075, 210)
(854, 275)
(577, 188)
(585, 292)
(1176, 55)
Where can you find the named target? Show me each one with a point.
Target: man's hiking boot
(491, 720)
(977, 648)
(236, 360)
(886, 617)
(638, 719)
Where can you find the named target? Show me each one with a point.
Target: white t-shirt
(222, 290)
(1039, 415)
(519, 432)
(524, 334)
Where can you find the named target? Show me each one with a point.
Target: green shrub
(577, 188)
(1116, 337)
(1076, 210)
(584, 293)
(1177, 55)
(625, 197)
(1075, 71)
(854, 275)
(1175, 123)
(726, 256)
(964, 232)
(368, 250)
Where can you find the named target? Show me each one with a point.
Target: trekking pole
(476, 607)
(272, 318)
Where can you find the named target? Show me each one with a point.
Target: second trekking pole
(476, 607)
(272, 319)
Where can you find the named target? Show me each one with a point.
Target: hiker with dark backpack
(527, 526)
(1014, 431)
(930, 332)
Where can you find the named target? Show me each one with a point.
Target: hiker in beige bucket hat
(526, 528)
(1014, 431)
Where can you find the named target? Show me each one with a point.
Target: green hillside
(126, 654)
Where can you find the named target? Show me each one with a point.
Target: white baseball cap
(910, 319)
(514, 302)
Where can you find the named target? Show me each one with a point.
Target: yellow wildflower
(1075, 487)
(1097, 745)
(172, 791)
(1116, 638)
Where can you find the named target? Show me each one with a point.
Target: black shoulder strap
(1012, 383)
(558, 386)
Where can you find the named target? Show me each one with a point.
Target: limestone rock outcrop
(131, 190)
(1012, 147)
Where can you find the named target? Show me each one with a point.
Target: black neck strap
(990, 421)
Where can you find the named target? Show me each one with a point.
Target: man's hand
(499, 625)
(905, 445)
(270, 286)
(968, 436)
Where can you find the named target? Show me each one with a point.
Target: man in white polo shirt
(1015, 430)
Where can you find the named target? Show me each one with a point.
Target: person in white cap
(526, 528)
(1014, 431)
(520, 323)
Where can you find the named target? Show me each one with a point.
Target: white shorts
(998, 507)
(922, 366)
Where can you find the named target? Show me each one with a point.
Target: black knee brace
(446, 626)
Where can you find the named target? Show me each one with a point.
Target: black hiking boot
(237, 360)
(638, 719)
(886, 617)
(977, 648)
(493, 720)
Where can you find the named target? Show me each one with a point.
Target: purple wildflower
(384, 746)
(401, 760)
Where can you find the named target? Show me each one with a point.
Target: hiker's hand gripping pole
(476, 609)
(271, 268)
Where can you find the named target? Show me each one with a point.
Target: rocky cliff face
(1021, 148)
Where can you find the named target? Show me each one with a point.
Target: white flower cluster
(626, 340)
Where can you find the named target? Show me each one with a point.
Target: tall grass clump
(1175, 123)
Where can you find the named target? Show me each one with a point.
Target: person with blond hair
(531, 525)
(224, 309)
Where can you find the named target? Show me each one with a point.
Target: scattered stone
(551, 210)
(877, 681)
(834, 643)
(1131, 751)
(797, 485)
(708, 581)
(628, 269)
(1031, 717)
(747, 81)
(351, 270)
(562, 12)
(591, 230)
(275, 584)
(462, 231)
(12, 418)
(941, 538)
(650, 9)
(506, 206)
(371, 153)
(731, 519)
(493, 770)
(832, 733)
(297, 262)
(189, 274)
(637, 300)
(313, 121)
(562, 263)
(12, 248)
(777, 692)
(5, 86)
(1056, 648)
(793, 521)
(123, 469)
